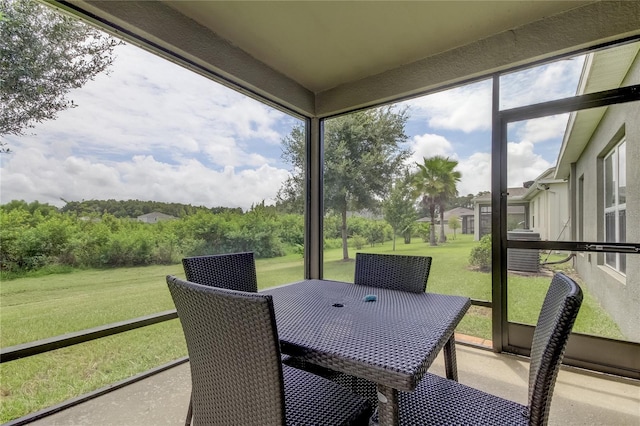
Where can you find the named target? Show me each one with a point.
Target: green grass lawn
(46, 306)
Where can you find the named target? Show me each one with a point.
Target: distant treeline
(135, 208)
(34, 235)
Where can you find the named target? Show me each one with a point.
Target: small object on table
(370, 298)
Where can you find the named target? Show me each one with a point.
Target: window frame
(615, 261)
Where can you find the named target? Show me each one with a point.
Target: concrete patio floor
(580, 397)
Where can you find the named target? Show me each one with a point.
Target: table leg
(387, 405)
(450, 364)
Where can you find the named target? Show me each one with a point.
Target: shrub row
(31, 240)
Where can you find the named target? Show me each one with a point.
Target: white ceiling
(320, 58)
(323, 44)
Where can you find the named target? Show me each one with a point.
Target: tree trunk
(432, 228)
(394, 240)
(443, 238)
(407, 237)
(345, 249)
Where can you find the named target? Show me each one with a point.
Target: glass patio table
(391, 340)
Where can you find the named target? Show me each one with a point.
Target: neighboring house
(517, 212)
(464, 215)
(155, 217)
(599, 157)
(548, 207)
(537, 211)
(540, 206)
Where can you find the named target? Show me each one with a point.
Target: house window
(533, 215)
(615, 207)
(485, 220)
(580, 224)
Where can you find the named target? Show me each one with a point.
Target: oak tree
(363, 153)
(43, 55)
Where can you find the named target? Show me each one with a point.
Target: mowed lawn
(41, 307)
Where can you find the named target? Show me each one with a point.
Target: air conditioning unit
(523, 260)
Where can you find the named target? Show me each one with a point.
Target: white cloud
(466, 108)
(224, 151)
(428, 145)
(543, 83)
(31, 176)
(154, 131)
(543, 129)
(523, 163)
(476, 174)
(151, 130)
(147, 103)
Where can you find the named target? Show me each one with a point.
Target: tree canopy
(454, 223)
(43, 55)
(135, 208)
(362, 154)
(399, 209)
(117, 208)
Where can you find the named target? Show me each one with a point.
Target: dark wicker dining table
(391, 340)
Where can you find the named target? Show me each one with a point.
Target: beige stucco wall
(618, 294)
(551, 211)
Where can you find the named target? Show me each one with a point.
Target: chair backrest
(236, 271)
(396, 272)
(236, 372)
(559, 311)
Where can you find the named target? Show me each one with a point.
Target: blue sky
(152, 130)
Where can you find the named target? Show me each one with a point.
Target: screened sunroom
(300, 128)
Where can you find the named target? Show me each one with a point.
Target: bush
(292, 229)
(375, 232)
(423, 231)
(332, 243)
(332, 227)
(127, 249)
(481, 255)
(193, 247)
(358, 241)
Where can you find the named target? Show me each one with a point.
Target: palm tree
(435, 183)
(427, 187)
(450, 178)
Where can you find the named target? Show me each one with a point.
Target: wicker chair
(236, 373)
(395, 272)
(439, 401)
(236, 271)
